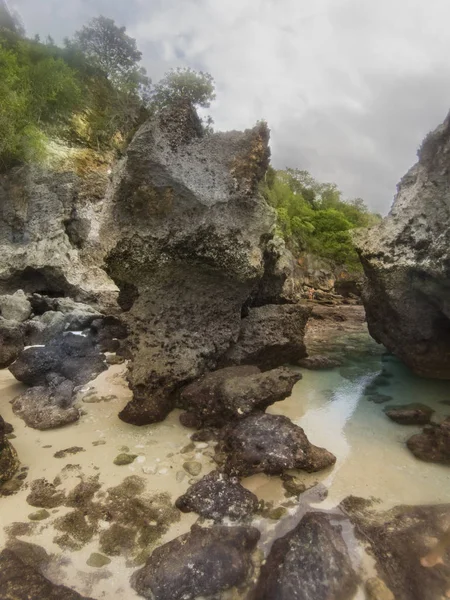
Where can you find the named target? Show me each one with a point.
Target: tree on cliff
(184, 84)
(108, 48)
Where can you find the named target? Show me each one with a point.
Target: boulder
(409, 414)
(9, 462)
(23, 581)
(406, 259)
(235, 392)
(311, 562)
(433, 444)
(47, 407)
(188, 231)
(399, 539)
(11, 342)
(217, 496)
(201, 563)
(270, 336)
(15, 307)
(271, 444)
(72, 356)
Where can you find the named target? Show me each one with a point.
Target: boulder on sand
(9, 463)
(433, 444)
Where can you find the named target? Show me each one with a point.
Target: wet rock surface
(311, 562)
(21, 581)
(406, 261)
(409, 414)
(318, 362)
(9, 462)
(271, 336)
(203, 562)
(217, 496)
(270, 444)
(433, 444)
(399, 539)
(235, 392)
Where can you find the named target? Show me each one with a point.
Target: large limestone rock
(48, 220)
(188, 233)
(406, 259)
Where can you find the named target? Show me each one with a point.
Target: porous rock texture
(311, 562)
(233, 393)
(271, 444)
(217, 496)
(12, 341)
(188, 232)
(201, 563)
(406, 259)
(398, 539)
(21, 581)
(433, 444)
(48, 220)
(9, 463)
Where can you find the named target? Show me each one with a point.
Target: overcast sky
(349, 87)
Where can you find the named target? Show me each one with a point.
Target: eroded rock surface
(235, 392)
(409, 414)
(406, 259)
(188, 232)
(270, 444)
(433, 444)
(12, 342)
(311, 562)
(21, 581)
(399, 539)
(203, 562)
(217, 496)
(9, 463)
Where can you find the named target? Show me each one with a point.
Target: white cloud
(349, 87)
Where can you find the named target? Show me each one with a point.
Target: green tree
(184, 84)
(108, 48)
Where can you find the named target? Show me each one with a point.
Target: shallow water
(372, 459)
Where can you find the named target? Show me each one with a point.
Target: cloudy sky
(349, 87)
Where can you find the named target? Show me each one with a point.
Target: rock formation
(189, 236)
(406, 259)
(9, 463)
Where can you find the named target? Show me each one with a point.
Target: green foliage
(184, 84)
(313, 217)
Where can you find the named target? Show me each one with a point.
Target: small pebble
(192, 467)
(97, 560)
(99, 443)
(124, 459)
(39, 515)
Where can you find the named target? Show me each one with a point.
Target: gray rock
(217, 496)
(311, 562)
(235, 392)
(270, 444)
(270, 336)
(409, 414)
(433, 444)
(188, 231)
(15, 307)
(11, 342)
(406, 259)
(203, 562)
(22, 581)
(47, 407)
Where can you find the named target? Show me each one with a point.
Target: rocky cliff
(407, 263)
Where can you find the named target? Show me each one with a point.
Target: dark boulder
(21, 581)
(9, 463)
(409, 414)
(398, 540)
(270, 336)
(217, 496)
(270, 444)
(311, 562)
(11, 342)
(203, 562)
(235, 392)
(433, 444)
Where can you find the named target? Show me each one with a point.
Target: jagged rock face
(188, 232)
(407, 263)
(48, 217)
